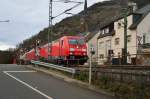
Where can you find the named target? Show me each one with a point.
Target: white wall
(144, 27)
(103, 50)
(119, 33)
(93, 41)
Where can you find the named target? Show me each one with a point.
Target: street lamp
(5, 21)
(50, 28)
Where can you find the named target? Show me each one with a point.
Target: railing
(57, 67)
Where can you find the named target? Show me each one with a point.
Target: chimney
(133, 6)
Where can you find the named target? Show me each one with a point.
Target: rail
(57, 67)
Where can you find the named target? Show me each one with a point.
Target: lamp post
(5, 21)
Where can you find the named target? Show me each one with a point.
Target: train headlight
(71, 53)
(84, 53)
(84, 50)
(72, 49)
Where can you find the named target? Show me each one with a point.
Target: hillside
(97, 15)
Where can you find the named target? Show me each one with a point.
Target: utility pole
(125, 14)
(85, 16)
(90, 45)
(50, 28)
(51, 17)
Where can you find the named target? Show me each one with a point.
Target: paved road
(18, 82)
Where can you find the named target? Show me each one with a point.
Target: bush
(124, 90)
(83, 76)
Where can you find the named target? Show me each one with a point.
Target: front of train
(77, 50)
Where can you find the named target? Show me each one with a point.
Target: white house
(138, 34)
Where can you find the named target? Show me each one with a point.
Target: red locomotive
(66, 50)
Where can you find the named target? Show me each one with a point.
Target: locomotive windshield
(76, 41)
(73, 41)
(80, 41)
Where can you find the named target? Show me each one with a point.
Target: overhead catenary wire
(67, 10)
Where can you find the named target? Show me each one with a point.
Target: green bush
(124, 90)
(83, 76)
(42, 59)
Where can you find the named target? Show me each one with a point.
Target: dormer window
(106, 30)
(103, 32)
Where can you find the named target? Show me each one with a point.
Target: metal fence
(142, 59)
(57, 67)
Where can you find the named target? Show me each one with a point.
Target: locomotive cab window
(76, 41)
(81, 41)
(73, 41)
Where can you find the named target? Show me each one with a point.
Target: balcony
(107, 34)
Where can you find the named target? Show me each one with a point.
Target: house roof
(143, 11)
(134, 25)
(89, 36)
(102, 25)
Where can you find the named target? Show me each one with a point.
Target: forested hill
(6, 57)
(97, 15)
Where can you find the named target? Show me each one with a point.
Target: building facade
(92, 42)
(111, 40)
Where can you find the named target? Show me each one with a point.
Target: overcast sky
(27, 18)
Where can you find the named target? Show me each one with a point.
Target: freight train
(66, 50)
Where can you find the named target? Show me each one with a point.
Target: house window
(101, 45)
(129, 38)
(101, 56)
(120, 24)
(103, 32)
(108, 44)
(144, 39)
(117, 40)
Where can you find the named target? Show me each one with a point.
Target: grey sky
(28, 17)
